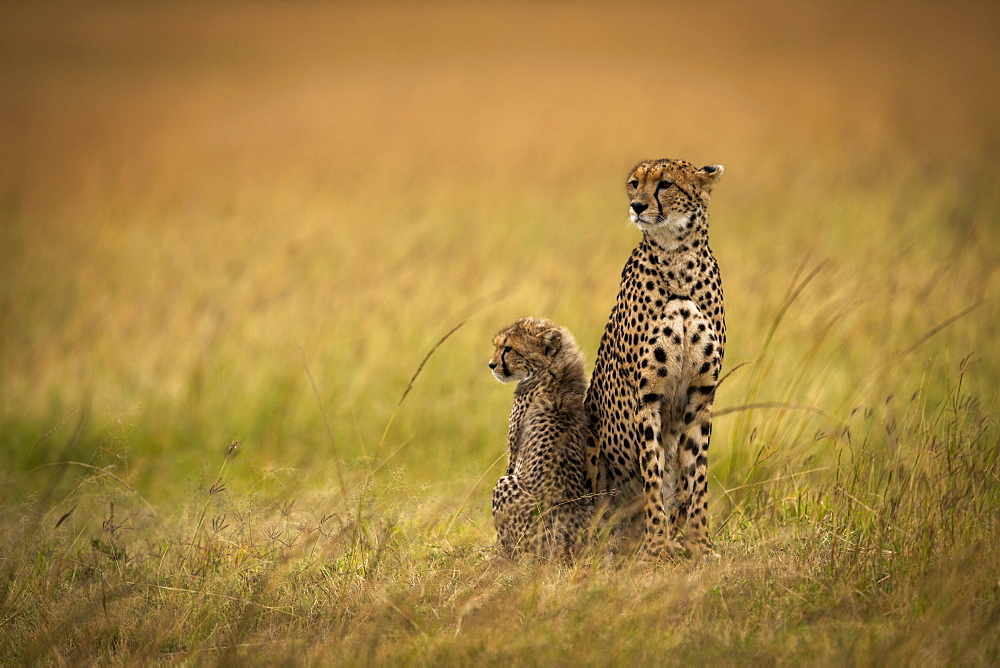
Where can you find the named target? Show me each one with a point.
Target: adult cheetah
(650, 397)
(541, 505)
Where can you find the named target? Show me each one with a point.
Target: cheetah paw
(659, 552)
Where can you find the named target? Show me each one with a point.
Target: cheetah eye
(507, 349)
(634, 183)
(663, 185)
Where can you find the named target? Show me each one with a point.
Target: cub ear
(552, 340)
(709, 175)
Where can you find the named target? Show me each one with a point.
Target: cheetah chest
(666, 335)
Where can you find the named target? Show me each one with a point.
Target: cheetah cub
(541, 506)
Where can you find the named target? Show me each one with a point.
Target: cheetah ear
(709, 175)
(552, 340)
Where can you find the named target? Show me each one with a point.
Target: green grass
(255, 224)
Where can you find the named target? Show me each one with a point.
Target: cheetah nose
(639, 207)
(492, 366)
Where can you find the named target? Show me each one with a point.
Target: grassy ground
(254, 224)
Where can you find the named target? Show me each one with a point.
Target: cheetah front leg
(691, 510)
(595, 477)
(651, 462)
(659, 376)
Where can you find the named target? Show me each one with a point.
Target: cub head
(668, 198)
(524, 348)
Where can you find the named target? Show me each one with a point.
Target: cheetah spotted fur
(651, 393)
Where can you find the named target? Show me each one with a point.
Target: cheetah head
(668, 198)
(524, 348)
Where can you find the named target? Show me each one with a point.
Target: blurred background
(202, 203)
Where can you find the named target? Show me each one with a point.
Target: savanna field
(252, 256)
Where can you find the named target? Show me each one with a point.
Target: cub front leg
(513, 507)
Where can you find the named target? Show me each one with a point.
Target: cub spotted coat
(541, 506)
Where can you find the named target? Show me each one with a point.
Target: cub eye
(507, 349)
(663, 185)
(634, 183)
